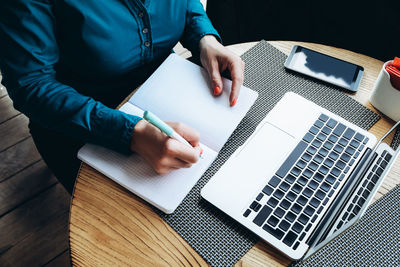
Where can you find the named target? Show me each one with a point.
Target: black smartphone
(326, 68)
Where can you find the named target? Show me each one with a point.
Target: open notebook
(177, 91)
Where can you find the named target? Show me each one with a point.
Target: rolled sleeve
(197, 25)
(28, 54)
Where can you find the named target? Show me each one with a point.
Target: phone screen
(324, 67)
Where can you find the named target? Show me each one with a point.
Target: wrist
(207, 40)
(138, 131)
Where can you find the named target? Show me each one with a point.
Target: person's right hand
(162, 152)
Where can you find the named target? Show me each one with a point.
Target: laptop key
(290, 179)
(345, 157)
(284, 225)
(293, 157)
(301, 237)
(318, 124)
(301, 164)
(313, 185)
(359, 137)
(307, 192)
(335, 171)
(330, 179)
(277, 233)
(326, 130)
(388, 157)
(259, 197)
(333, 138)
(313, 166)
(328, 162)
(323, 152)
(290, 216)
(291, 196)
(328, 145)
(375, 178)
(272, 202)
(333, 155)
(302, 181)
(306, 157)
(296, 208)
(349, 150)
(323, 117)
(313, 130)
(303, 219)
(315, 202)
(296, 245)
(338, 149)
(316, 143)
(273, 221)
(318, 159)
(290, 238)
(267, 190)
(284, 186)
(339, 129)
(295, 171)
(325, 186)
(246, 213)
(262, 215)
(297, 188)
(354, 143)
(331, 123)
(311, 150)
(279, 212)
(285, 204)
(318, 177)
(320, 194)
(321, 137)
(340, 164)
(309, 210)
(324, 170)
(349, 133)
(308, 137)
(278, 194)
(307, 173)
(274, 181)
(302, 200)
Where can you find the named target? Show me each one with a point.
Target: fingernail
(201, 152)
(217, 90)
(233, 102)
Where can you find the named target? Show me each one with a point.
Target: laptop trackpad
(246, 173)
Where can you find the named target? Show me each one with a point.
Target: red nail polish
(201, 152)
(233, 102)
(217, 90)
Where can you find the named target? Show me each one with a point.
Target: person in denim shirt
(67, 64)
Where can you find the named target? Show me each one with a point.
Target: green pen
(165, 128)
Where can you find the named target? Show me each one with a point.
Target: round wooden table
(111, 226)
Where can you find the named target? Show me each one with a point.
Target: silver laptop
(302, 177)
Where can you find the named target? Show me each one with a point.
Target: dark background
(368, 27)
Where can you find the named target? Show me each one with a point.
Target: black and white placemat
(215, 236)
(373, 241)
(396, 139)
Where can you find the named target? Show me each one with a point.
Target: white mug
(385, 97)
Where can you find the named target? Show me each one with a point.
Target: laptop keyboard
(303, 185)
(365, 189)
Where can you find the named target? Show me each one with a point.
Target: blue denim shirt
(67, 63)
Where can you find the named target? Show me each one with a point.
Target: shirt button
(147, 44)
(145, 30)
(141, 15)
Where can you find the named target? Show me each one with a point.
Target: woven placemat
(373, 241)
(216, 237)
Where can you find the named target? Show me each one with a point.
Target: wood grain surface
(111, 226)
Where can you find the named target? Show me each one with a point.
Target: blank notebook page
(180, 91)
(165, 192)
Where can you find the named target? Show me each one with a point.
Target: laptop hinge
(325, 225)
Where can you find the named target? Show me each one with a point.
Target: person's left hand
(216, 58)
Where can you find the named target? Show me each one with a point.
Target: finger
(182, 152)
(188, 133)
(215, 76)
(177, 163)
(237, 74)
